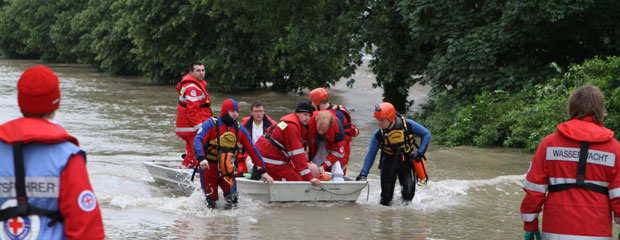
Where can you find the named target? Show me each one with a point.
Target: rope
(368, 190)
(324, 189)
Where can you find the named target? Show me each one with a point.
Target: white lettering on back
(572, 155)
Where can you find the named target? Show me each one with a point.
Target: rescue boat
(280, 191)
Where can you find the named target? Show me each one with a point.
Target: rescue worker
(396, 138)
(283, 150)
(256, 124)
(326, 143)
(320, 101)
(574, 173)
(45, 192)
(193, 109)
(220, 136)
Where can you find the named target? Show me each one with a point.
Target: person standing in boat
(320, 101)
(193, 109)
(46, 192)
(326, 143)
(574, 174)
(215, 147)
(283, 150)
(256, 124)
(395, 137)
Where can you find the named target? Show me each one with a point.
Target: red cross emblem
(88, 200)
(16, 225)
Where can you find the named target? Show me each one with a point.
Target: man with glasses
(193, 109)
(256, 124)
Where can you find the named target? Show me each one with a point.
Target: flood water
(473, 193)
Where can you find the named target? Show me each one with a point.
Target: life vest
(39, 150)
(192, 82)
(400, 140)
(188, 122)
(222, 150)
(331, 138)
(282, 125)
(349, 129)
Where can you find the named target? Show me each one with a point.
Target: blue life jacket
(43, 164)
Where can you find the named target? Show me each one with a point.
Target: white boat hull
(302, 191)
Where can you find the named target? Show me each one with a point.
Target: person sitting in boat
(215, 147)
(282, 148)
(193, 109)
(256, 124)
(320, 101)
(395, 137)
(326, 143)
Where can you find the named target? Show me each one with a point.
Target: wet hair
(191, 67)
(256, 103)
(587, 101)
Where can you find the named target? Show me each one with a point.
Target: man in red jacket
(574, 173)
(34, 151)
(326, 143)
(193, 109)
(282, 148)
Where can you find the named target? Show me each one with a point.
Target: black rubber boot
(231, 201)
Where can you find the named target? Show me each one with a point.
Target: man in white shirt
(256, 124)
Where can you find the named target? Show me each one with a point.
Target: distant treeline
(466, 50)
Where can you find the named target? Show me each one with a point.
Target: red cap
(317, 95)
(38, 91)
(227, 105)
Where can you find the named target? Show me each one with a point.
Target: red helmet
(385, 110)
(317, 95)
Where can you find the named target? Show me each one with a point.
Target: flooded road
(120, 122)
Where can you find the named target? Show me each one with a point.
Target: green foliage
(524, 118)
(292, 44)
(477, 46)
(288, 44)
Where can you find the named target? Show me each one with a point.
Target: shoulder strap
(23, 208)
(345, 112)
(581, 176)
(273, 141)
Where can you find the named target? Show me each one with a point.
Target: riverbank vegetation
(499, 70)
(521, 118)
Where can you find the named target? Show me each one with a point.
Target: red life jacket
(194, 106)
(29, 130)
(334, 141)
(350, 130)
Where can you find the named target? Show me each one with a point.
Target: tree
(396, 55)
(480, 46)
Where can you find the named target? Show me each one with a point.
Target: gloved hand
(531, 235)
(360, 178)
(256, 175)
(417, 156)
(354, 131)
